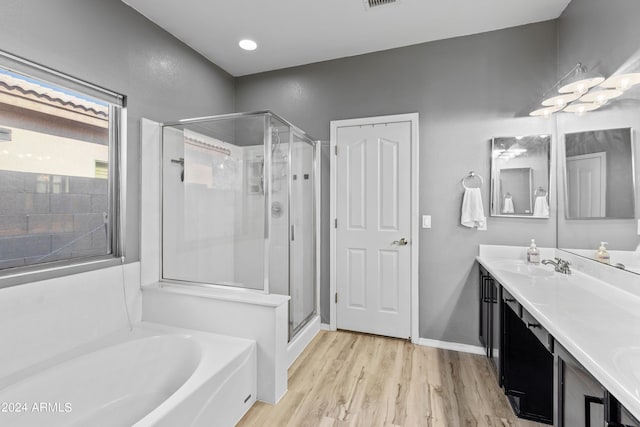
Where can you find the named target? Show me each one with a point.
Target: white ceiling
(296, 32)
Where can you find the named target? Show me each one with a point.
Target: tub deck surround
(233, 312)
(43, 319)
(154, 375)
(595, 317)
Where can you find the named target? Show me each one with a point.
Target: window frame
(116, 186)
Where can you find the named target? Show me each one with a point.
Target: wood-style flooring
(351, 379)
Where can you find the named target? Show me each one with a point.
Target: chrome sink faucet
(561, 266)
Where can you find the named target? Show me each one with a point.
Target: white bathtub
(153, 376)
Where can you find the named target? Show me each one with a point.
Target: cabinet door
(495, 341)
(617, 415)
(527, 370)
(582, 398)
(627, 419)
(485, 313)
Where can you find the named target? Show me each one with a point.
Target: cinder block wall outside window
(50, 217)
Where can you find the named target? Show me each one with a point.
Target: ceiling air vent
(375, 3)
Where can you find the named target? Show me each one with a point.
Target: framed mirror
(599, 174)
(520, 167)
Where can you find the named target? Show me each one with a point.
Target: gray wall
(466, 90)
(603, 36)
(109, 44)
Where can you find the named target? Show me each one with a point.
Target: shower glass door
(213, 203)
(302, 234)
(280, 135)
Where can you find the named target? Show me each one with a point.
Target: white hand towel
(507, 208)
(472, 210)
(541, 207)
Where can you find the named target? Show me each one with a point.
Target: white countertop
(596, 321)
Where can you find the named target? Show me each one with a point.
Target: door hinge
(336, 297)
(335, 149)
(335, 223)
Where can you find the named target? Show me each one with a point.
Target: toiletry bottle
(533, 253)
(602, 254)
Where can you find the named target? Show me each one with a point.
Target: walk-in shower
(239, 207)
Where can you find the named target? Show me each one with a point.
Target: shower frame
(293, 131)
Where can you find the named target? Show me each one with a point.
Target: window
(59, 174)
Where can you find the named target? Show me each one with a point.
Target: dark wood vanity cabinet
(528, 365)
(580, 399)
(617, 415)
(541, 379)
(490, 321)
(525, 371)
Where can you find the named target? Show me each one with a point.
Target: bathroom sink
(524, 269)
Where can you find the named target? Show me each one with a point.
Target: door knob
(401, 242)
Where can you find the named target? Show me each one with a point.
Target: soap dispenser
(533, 253)
(602, 254)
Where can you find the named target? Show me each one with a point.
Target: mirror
(520, 168)
(598, 188)
(599, 179)
(611, 50)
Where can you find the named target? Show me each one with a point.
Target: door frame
(414, 208)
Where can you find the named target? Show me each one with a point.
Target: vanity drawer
(538, 330)
(512, 302)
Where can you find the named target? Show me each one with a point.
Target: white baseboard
(325, 327)
(445, 345)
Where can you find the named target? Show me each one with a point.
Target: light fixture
(575, 94)
(622, 81)
(582, 107)
(601, 96)
(545, 112)
(573, 86)
(560, 100)
(247, 44)
(579, 80)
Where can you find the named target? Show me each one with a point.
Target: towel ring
(471, 175)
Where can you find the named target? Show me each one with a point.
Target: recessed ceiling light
(247, 44)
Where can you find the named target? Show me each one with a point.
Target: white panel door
(373, 206)
(586, 185)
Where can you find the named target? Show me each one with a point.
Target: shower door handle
(292, 233)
